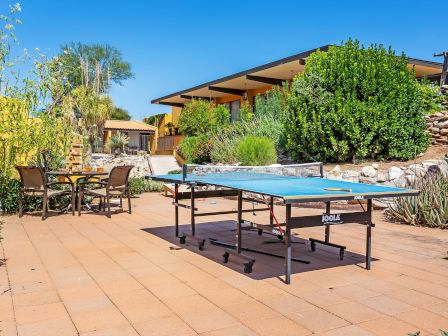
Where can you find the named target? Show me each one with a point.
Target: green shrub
(353, 103)
(139, 185)
(195, 149)
(9, 198)
(429, 208)
(174, 172)
(200, 116)
(256, 151)
(432, 98)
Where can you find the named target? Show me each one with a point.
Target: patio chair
(116, 185)
(34, 184)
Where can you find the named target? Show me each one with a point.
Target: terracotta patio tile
(168, 291)
(351, 330)
(31, 314)
(251, 310)
(286, 303)
(239, 330)
(35, 298)
(354, 292)
(188, 304)
(387, 305)
(381, 286)
(388, 326)
(354, 312)
(324, 297)
(415, 298)
(441, 309)
(425, 319)
(90, 304)
(168, 326)
(134, 297)
(100, 319)
(145, 311)
(280, 326)
(59, 327)
(209, 321)
(117, 331)
(317, 319)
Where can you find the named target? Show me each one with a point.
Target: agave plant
(430, 208)
(118, 141)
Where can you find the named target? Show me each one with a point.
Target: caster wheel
(341, 254)
(201, 245)
(260, 232)
(279, 237)
(313, 246)
(225, 257)
(248, 267)
(183, 239)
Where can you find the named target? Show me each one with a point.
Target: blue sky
(173, 45)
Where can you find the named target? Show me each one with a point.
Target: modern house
(139, 133)
(234, 89)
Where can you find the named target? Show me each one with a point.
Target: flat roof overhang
(268, 74)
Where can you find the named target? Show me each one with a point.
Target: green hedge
(139, 185)
(354, 103)
(256, 151)
(195, 149)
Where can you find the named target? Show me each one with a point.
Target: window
(234, 108)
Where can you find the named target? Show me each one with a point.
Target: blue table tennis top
(291, 188)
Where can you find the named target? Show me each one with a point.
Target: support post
(239, 220)
(193, 226)
(327, 227)
(369, 234)
(176, 208)
(271, 213)
(287, 238)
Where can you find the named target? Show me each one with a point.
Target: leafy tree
(119, 113)
(95, 65)
(155, 119)
(200, 116)
(353, 103)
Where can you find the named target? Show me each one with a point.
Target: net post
(184, 172)
(321, 169)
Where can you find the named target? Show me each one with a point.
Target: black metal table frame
(327, 219)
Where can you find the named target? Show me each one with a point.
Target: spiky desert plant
(118, 140)
(430, 208)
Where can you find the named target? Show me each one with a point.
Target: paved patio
(95, 276)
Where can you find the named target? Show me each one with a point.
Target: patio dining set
(35, 182)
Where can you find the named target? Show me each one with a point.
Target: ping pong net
(204, 173)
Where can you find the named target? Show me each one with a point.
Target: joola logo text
(331, 218)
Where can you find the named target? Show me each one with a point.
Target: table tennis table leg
(239, 221)
(369, 234)
(176, 208)
(287, 238)
(193, 226)
(271, 213)
(327, 227)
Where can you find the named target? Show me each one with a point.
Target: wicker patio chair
(34, 184)
(116, 185)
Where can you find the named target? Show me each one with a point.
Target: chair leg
(21, 196)
(80, 196)
(129, 203)
(73, 202)
(121, 202)
(100, 204)
(108, 206)
(44, 207)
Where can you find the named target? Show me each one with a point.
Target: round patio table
(85, 176)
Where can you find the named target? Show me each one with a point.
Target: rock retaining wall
(437, 125)
(394, 176)
(140, 163)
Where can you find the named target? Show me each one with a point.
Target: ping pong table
(288, 184)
